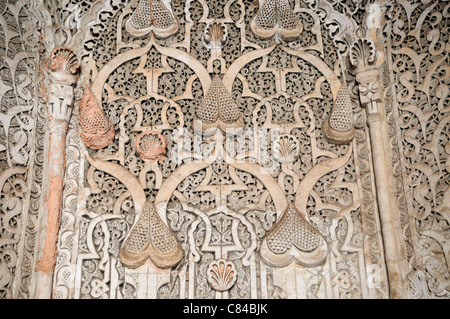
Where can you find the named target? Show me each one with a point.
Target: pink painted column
(62, 69)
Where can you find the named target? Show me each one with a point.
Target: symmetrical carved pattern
(218, 109)
(161, 201)
(293, 239)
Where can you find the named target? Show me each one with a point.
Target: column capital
(63, 67)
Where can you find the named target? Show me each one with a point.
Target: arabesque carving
(228, 149)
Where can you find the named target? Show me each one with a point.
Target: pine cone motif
(95, 128)
(293, 239)
(152, 16)
(218, 110)
(276, 18)
(150, 238)
(338, 128)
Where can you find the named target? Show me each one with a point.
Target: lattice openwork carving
(222, 149)
(234, 127)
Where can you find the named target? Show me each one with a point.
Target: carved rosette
(150, 238)
(218, 110)
(95, 128)
(339, 127)
(293, 239)
(153, 16)
(276, 18)
(221, 274)
(151, 146)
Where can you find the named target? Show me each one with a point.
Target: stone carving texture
(219, 210)
(21, 133)
(160, 202)
(418, 66)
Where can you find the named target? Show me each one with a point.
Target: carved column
(62, 73)
(363, 57)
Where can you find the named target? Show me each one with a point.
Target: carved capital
(63, 67)
(369, 92)
(363, 57)
(60, 102)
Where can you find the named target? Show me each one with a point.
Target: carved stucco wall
(333, 183)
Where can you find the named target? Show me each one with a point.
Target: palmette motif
(221, 274)
(151, 146)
